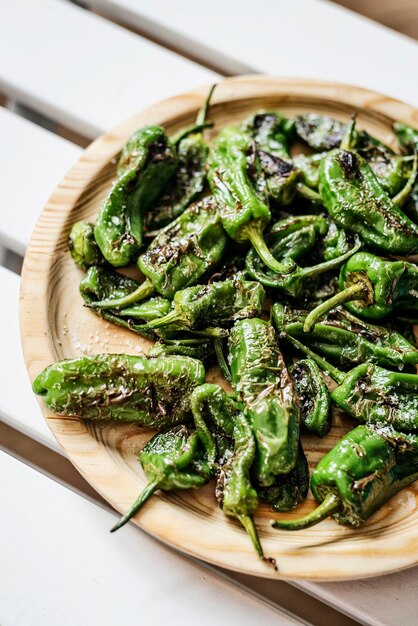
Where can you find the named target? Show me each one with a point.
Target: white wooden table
(78, 71)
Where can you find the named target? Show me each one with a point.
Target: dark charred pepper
(372, 288)
(190, 177)
(152, 162)
(152, 392)
(273, 134)
(171, 460)
(362, 472)
(347, 340)
(264, 385)
(239, 187)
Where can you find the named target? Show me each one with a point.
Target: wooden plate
(55, 326)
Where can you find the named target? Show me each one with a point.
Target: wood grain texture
(54, 325)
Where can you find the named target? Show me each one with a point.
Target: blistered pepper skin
(362, 472)
(152, 392)
(264, 385)
(357, 202)
(232, 450)
(147, 163)
(347, 340)
(185, 250)
(171, 460)
(314, 398)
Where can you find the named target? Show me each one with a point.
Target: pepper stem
(334, 372)
(348, 137)
(308, 193)
(314, 270)
(254, 235)
(330, 505)
(163, 321)
(144, 290)
(248, 523)
(404, 193)
(354, 292)
(200, 123)
(143, 497)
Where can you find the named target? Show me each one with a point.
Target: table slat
(34, 160)
(18, 406)
(82, 70)
(302, 38)
(60, 565)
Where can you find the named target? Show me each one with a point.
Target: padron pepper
(347, 340)
(215, 304)
(119, 226)
(314, 398)
(264, 385)
(179, 256)
(298, 280)
(83, 246)
(273, 134)
(371, 393)
(288, 490)
(189, 180)
(356, 201)
(171, 460)
(212, 410)
(239, 187)
(152, 392)
(100, 283)
(372, 288)
(362, 472)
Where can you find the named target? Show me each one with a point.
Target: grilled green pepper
(171, 460)
(314, 398)
(273, 134)
(362, 472)
(299, 280)
(347, 340)
(152, 392)
(372, 288)
(239, 187)
(213, 409)
(83, 246)
(190, 177)
(371, 393)
(264, 385)
(179, 256)
(100, 283)
(152, 162)
(217, 304)
(357, 202)
(288, 490)
(407, 136)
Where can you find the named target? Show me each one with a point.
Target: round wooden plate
(55, 326)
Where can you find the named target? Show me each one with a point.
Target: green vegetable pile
(280, 251)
